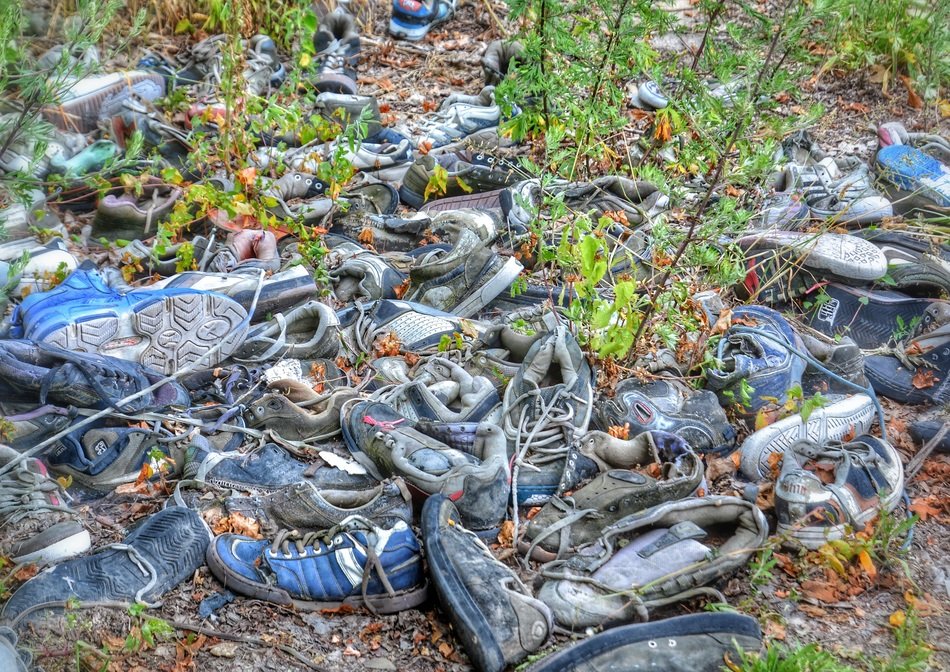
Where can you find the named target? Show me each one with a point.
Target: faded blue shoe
(412, 19)
(757, 357)
(162, 329)
(914, 181)
(356, 563)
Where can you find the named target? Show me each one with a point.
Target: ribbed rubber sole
(484, 200)
(165, 335)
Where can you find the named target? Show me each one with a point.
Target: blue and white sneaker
(460, 120)
(162, 329)
(356, 563)
(914, 181)
(412, 19)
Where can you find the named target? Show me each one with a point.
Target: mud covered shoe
(89, 381)
(651, 558)
(309, 331)
(692, 643)
(413, 19)
(387, 444)
(548, 403)
(824, 489)
(569, 521)
(306, 508)
(158, 555)
(161, 329)
(757, 356)
(35, 519)
(313, 422)
(132, 216)
(844, 417)
(666, 404)
(355, 563)
(492, 611)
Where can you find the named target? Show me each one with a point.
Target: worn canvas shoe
(914, 264)
(158, 555)
(691, 643)
(306, 508)
(462, 281)
(841, 357)
(36, 521)
(826, 488)
(758, 356)
(546, 406)
(164, 330)
(48, 373)
(492, 611)
(355, 563)
(387, 444)
(314, 422)
(845, 417)
(29, 424)
(467, 171)
(133, 216)
(309, 331)
(668, 405)
(499, 58)
(413, 19)
(655, 557)
(569, 521)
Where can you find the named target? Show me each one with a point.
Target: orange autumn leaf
(387, 346)
(897, 619)
(923, 379)
(365, 236)
(26, 573)
(401, 289)
(913, 98)
(429, 106)
(867, 564)
(620, 432)
(663, 131)
(247, 175)
(924, 509)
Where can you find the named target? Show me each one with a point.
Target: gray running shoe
(443, 391)
(310, 331)
(316, 421)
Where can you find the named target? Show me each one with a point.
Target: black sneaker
(164, 551)
(492, 611)
(467, 171)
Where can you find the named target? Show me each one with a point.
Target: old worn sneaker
(650, 558)
(355, 563)
(35, 518)
(309, 331)
(315, 421)
(413, 19)
(915, 264)
(492, 611)
(337, 47)
(443, 391)
(825, 489)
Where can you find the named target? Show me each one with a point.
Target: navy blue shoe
(163, 329)
(761, 360)
(356, 563)
(412, 19)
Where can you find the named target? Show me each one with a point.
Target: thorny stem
(714, 182)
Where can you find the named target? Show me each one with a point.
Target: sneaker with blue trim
(413, 19)
(164, 330)
(356, 564)
(914, 181)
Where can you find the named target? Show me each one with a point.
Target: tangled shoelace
(94, 375)
(24, 492)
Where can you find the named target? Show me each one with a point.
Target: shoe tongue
(98, 442)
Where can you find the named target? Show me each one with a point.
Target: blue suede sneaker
(162, 329)
(412, 19)
(356, 563)
(760, 360)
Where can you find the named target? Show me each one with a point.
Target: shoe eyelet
(672, 643)
(297, 177)
(651, 644)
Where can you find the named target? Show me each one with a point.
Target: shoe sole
(82, 114)
(832, 423)
(845, 258)
(77, 541)
(483, 295)
(489, 200)
(381, 604)
(870, 318)
(166, 335)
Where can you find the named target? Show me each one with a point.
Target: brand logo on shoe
(120, 343)
(169, 337)
(100, 447)
(828, 311)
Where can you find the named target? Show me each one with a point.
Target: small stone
(318, 624)
(224, 650)
(416, 99)
(379, 664)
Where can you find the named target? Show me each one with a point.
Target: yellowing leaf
(65, 481)
(867, 564)
(305, 60)
(897, 619)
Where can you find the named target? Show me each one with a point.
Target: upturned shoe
(824, 489)
(914, 264)
(36, 521)
(692, 643)
(47, 373)
(844, 417)
(386, 444)
(355, 563)
(306, 508)
(758, 357)
(337, 47)
(444, 392)
(413, 19)
(916, 182)
(492, 611)
(293, 422)
(309, 331)
(546, 406)
(158, 555)
(464, 280)
(134, 216)
(266, 470)
(569, 521)
(650, 558)
(668, 405)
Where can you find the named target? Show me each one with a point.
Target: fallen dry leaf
(506, 533)
(620, 432)
(897, 619)
(26, 573)
(913, 99)
(856, 107)
(820, 590)
(924, 509)
(924, 378)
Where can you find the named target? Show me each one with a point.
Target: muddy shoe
(356, 564)
(575, 520)
(30, 424)
(450, 395)
(337, 47)
(692, 643)
(37, 523)
(492, 612)
(841, 357)
(825, 489)
(164, 551)
(134, 216)
(309, 331)
(306, 508)
(291, 421)
(655, 557)
(499, 58)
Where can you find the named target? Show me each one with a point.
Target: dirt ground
(405, 77)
